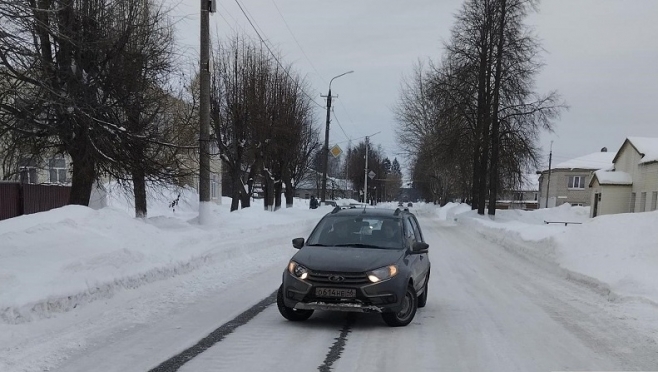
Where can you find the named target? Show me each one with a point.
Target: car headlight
(382, 273)
(297, 270)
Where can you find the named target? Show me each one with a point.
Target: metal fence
(17, 199)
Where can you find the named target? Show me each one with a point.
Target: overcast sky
(601, 56)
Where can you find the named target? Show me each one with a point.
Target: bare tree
(262, 121)
(483, 99)
(357, 164)
(139, 80)
(62, 59)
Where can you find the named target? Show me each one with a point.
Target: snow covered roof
(646, 146)
(606, 177)
(594, 161)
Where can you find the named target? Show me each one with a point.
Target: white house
(569, 180)
(632, 183)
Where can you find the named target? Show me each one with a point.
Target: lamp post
(325, 151)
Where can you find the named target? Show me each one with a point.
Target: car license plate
(335, 292)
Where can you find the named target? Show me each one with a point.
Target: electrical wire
(272, 53)
(297, 41)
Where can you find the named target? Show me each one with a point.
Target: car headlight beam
(382, 273)
(297, 270)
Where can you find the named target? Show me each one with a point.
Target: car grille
(324, 277)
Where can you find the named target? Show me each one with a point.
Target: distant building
(524, 197)
(569, 180)
(631, 184)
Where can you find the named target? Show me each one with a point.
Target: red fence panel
(40, 198)
(10, 200)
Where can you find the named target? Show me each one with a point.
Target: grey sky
(601, 56)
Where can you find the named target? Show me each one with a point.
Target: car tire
(407, 312)
(422, 299)
(291, 314)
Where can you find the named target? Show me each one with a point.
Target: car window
(409, 232)
(416, 227)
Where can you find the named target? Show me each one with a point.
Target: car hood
(346, 259)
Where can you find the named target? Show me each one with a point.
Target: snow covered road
(489, 310)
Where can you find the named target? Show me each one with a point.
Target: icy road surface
(489, 309)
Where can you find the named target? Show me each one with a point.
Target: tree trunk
(82, 178)
(139, 189)
(277, 195)
(480, 136)
(267, 192)
(290, 194)
(495, 130)
(236, 194)
(245, 198)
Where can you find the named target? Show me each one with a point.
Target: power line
(272, 53)
(297, 41)
(339, 125)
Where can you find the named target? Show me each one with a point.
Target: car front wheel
(407, 311)
(290, 313)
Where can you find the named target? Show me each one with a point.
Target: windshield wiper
(317, 245)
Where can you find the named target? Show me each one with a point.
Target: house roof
(606, 177)
(646, 146)
(594, 161)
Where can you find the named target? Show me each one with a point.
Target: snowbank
(615, 254)
(57, 260)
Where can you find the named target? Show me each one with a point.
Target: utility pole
(365, 182)
(325, 150)
(548, 183)
(207, 6)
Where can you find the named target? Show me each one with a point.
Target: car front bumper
(384, 296)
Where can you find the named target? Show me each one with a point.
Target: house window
(535, 196)
(654, 199)
(576, 182)
(213, 186)
(28, 171)
(643, 201)
(632, 208)
(29, 175)
(58, 170)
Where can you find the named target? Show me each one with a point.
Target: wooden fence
(17, 199)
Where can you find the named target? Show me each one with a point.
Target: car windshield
(358, 232)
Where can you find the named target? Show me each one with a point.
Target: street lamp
(325, 151)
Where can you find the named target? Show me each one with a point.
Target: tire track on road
(337, 348)
(177, 361)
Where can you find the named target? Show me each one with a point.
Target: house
(632, 183)
(311, 185)
(568, 182)
(56, 169)
(526, 196)
(53, 170)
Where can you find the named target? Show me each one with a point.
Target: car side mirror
(420, 247)
(298, 242)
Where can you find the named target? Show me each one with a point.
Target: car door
(422, 262)
(414, 259)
